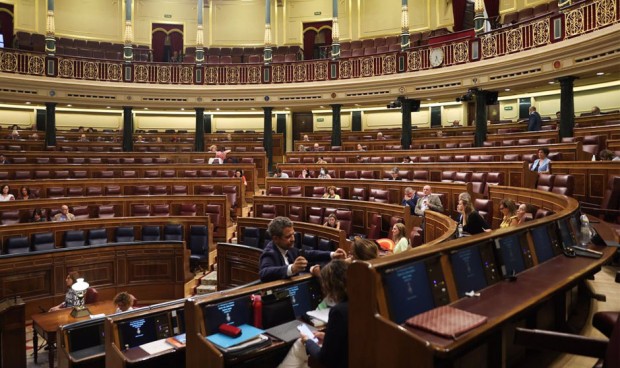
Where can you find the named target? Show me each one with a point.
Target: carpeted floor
(42, 360)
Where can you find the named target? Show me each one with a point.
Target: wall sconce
(80, 287)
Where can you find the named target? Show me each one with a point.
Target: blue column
(50, 124)
(200, 130)
(268, 137)
(127, 128)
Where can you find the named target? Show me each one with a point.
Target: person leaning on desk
(281, 259)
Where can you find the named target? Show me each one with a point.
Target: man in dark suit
(535, 121)
(281, 259)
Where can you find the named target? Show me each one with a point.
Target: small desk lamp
(80, 287)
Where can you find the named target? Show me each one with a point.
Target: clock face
(436, 57)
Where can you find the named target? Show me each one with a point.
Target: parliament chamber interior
(146, 148)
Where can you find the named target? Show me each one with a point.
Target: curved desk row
(127, 206)
(532, 252)
(570, 152)
(54, 188)
(258, 159)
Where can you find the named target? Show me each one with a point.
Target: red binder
(447, 321)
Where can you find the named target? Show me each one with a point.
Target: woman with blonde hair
(399, 235)
(332, 222)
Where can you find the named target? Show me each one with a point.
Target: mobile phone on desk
(304, 330)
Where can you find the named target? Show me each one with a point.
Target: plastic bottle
(257, 306)
(585, 232)
(460, 230)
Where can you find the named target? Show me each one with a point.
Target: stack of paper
(320, 314)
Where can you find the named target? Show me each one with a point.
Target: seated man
(428, 201)
(281, 260)
(410, 199)
(64, 214)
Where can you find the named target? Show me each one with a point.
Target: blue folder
(247, 332)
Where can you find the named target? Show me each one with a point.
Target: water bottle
(459, 230)
(585, 233)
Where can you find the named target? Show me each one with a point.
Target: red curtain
(492, 7)
(311, 30)
(158, 34)
(458, 12)
(6, 21)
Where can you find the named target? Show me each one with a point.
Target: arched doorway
(165, 40)
(6, 25)
(316, 35)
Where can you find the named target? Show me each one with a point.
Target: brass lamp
(79, 310)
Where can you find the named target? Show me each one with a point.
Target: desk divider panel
(387, 344)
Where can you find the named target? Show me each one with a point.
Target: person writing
(71, 298)
(332, 350)
(471, 220)
(332, 222)
(399, 236)
(542, 165)
(281, 259)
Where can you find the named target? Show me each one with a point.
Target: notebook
(447, 321)
(288, 331)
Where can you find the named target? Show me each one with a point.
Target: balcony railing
(580, 19)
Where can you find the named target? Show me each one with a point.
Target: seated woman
(5, 196)
(37, 216)
(305, 174)
(543, 164)
(521, 213)
(399, 235)
(124, 302)
(239, 174)
(331, 193)
(25, 194)
(471, 220)
(71, 298)
(332, 350)
(508, 208)
(363, 250)
(332, 222)
(323, 174)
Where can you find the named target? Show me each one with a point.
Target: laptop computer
(288, 331)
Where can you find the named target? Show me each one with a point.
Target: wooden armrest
(562, 342)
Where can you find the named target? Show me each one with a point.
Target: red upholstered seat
(294, 192)
(564, 184)
(267, 211)
(315, 215)
(275, 191)
(296, 213)
(106, 211)
(140, 210)
(545, 182)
